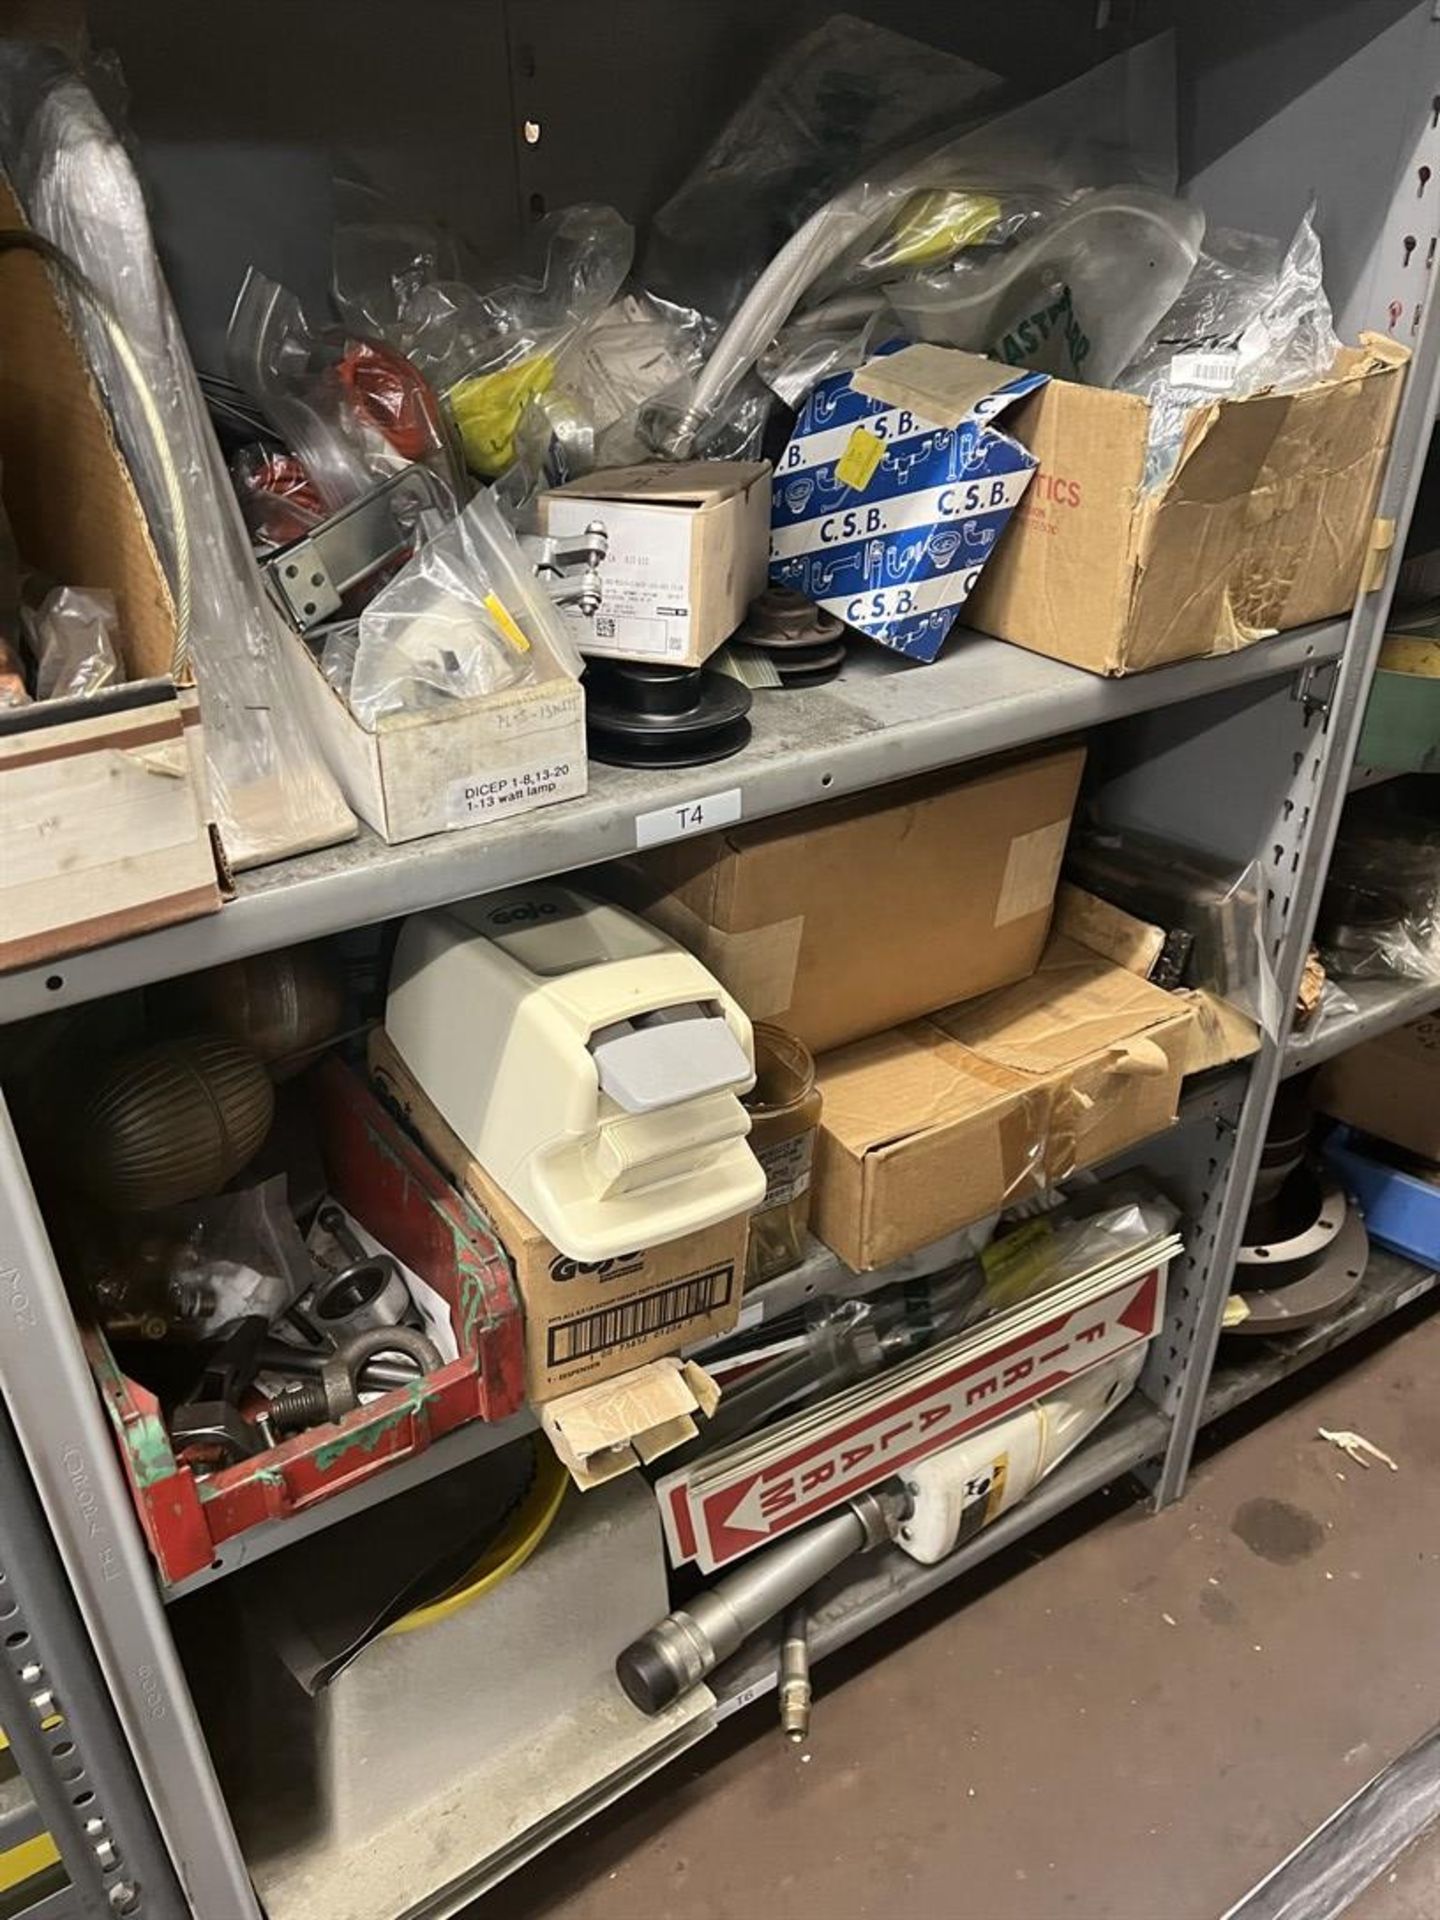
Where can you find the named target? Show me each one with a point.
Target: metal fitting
(795, 1673)
(337, 1391)
(368, 1292)
(681, 1649)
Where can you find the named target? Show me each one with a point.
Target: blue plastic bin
(1401, 1211)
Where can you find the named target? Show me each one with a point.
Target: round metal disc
(1316, 1294)
(713, 729)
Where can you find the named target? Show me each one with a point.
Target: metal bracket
(553, 555)
(308, 578)
(1315, 686)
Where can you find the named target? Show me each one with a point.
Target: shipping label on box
(887, 502)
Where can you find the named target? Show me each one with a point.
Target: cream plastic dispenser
(590, 1064)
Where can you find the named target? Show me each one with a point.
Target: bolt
(43, 1701)
(107, 1856)
(124, 1896)
(31, 1672)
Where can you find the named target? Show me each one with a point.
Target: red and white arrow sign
(729, 1515)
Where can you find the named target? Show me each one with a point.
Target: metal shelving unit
(1248, 754)
(1380, 1005)
(882, 720)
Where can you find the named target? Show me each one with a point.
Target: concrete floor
(1128, 1717)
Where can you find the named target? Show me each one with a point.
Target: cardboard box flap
(1265, 523)
(1074, 1006)
(901, 1084)
(69, 494)
(941, 384)
(675, 483)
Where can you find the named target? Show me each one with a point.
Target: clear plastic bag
(830, 107)
(276, 495)
(488, 349)
(272, 793)
(1113, 125)
(1380, 912)
(1075, 297)
(1218, 910)
(844, 1341)
(188, 1272)
(72, 636)
(1252, 316)
(458, 622)
(351, 410)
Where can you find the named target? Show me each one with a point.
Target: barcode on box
(652, 1313)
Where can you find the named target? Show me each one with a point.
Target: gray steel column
(61, 1725)
(62, 1428)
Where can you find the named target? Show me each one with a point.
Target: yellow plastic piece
(22, 1863)
(863, 454)
(487, 409)
(936, 225)
(507, 1552)
(505, 621)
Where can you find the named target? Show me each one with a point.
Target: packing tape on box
(1032, 872)
(756, 964)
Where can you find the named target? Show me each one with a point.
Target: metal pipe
(795, 1673)
(676, 1654)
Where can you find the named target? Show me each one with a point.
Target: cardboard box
(473, 761)
(583, 1324)
(1265, 524)
(104, 803)
(687, 554)
(1390, 1087)
(1221, 1034)
(894, 489)
(852, 916)
(939, 1122)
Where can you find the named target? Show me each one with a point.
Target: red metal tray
(378, 1173)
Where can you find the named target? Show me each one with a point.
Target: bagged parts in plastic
(272, 794)
(352, 411)
(829, 108)
(489, 349)
(456, 623)
(1113, 125)
(1252, 316)
(1213, 909)
(73, 638)
(1380, 912)
(1075, 298)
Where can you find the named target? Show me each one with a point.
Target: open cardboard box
(476, 760)
(1265, 524)
(934, 1124)
(105, 819)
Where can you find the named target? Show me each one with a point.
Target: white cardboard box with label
(688, 551)
(466, 763)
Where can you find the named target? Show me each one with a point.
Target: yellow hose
(506, 1553)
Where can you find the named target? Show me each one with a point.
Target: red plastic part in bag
(392, 397)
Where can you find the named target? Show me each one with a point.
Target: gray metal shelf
(1379, 1006)
(1246, 1368)
(881, 720)
(880, 1585)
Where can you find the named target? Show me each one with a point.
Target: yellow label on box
(856, 466)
